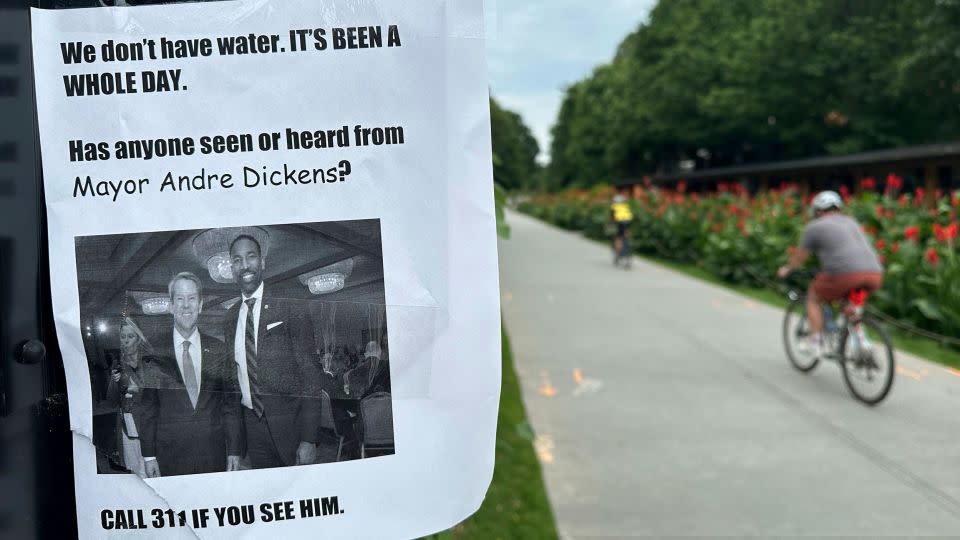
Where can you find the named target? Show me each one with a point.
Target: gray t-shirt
(840, 245)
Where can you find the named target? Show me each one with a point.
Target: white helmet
(826, 200)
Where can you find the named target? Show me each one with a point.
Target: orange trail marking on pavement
(547, 389)
(544, 447)
(907, 373)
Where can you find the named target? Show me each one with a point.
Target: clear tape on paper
(459, 23)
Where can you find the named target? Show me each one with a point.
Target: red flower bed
(740, 237)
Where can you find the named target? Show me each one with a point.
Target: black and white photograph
(236, 348)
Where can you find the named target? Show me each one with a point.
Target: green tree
(722, 82)
(514, 149)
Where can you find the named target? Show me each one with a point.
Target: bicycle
(848, 338)
(623, 257)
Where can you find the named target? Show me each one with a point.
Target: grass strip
(516, 505)
(916, 345)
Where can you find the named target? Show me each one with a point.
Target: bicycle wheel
(868, 371)
(795, 332)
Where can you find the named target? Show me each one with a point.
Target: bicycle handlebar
(803, 274)
(799, 279)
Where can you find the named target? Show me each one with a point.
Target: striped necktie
(251, 346)
(190, 375)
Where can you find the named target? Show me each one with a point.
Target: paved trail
(666, 406)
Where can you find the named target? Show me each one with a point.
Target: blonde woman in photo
(125, 390)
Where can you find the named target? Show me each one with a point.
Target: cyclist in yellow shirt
(621, 216)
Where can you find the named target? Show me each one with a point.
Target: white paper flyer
(273, 264)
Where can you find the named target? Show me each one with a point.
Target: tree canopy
(723, 82)
(514, 149)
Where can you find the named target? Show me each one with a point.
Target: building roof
(892, 156)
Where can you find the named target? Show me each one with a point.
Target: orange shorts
(832, 287)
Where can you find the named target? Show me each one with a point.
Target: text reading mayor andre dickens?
(246, 176)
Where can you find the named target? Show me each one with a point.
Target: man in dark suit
(191, 411)
(272, 343)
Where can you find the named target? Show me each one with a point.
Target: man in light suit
(272, 344)
(191, 414)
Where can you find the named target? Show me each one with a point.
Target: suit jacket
(381, 378)
(183, 439)
(331, 383)
(370, 376)
(288, 373)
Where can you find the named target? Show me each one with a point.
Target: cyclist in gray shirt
(847, 259)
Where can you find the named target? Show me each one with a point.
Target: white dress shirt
(240, 343)
(195, 353)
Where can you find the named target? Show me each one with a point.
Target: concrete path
(664, 406)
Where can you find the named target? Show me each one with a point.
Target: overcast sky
(538, 47)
